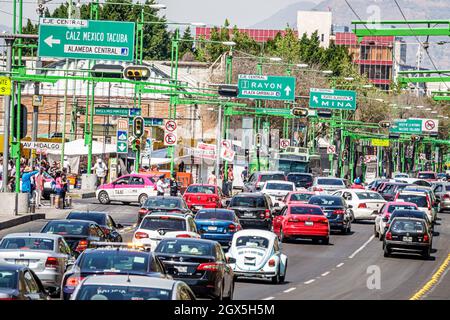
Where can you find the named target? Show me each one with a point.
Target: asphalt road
(340, 270)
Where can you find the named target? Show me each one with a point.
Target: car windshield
(8, 279)
(214, 214)
(419, 200)
(201, 189)
(447, 188)
(114, 260)
(299, 178)
(410, 214)
(276, 176)
(66, 227)
(392, 208)
(424, 175)
(369, 196)
(184, 247)
(300, 197)
(97, 218)
(280, 186)
(252, 241)
(306, 210)
(408, 226)
(326, 201)
(163, 203)
(27, 244)
(401, 175)
(125, 292)
(330, 182)
(166, 223)
(251, 202)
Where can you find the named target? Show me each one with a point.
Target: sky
(243, 13)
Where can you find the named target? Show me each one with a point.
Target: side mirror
(119, 226)
(385, 219)
(231, 260)
(350, 206)
(227, 202)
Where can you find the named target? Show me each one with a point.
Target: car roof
(414, 192)
(33, 235)
(304, 205)
(407, 218)
(301, 192)
(164, 197)
(400, 203)
(202, 185)
(216, 210)
(256, 232)
(300, 173)
(130, 280)
(426, 172)
(327, 196)
(249, 194)
(11, 267)
(403, 211)
(279, 182)
(92, 213)
(191, 240)
(71, 221)
(270, 172)
(167, 214)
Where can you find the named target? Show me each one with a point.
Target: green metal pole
(173, 98)
(228, 79)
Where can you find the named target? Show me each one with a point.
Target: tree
(186, 44)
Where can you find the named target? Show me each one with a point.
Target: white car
(157, 226)
(364, 204)
(258, 255)
(327, 185)
(47, 255)
(421, 199)
(131, 287)
(278, 190)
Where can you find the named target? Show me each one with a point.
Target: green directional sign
(149, 122)
(266, 87)
(107, 111)
(412, 126)
(279, 112)
(332, 99)
(86, 39)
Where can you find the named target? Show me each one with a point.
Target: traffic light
(415, 138)
(138, 127)
(258, 140)
(384, 124)
(299, 112)
(102, 70)
(136, 72)
(323, 113)
(23, 122)
(228, 91)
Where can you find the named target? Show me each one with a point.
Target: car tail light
(210, 266)
(82, 245)
(140, 235)
(143, 211)
(446, 196)
(389, 236)
(293, 220)
(324, 221)
(272, 263)
(106, 231)
(426, 238)
(339, 212)
(317, 189)
(309, 184)
(8, 298)
(51, 263)
(267, 213)
(184, 235)
(362, 206)
(232, 228)
(73, 281)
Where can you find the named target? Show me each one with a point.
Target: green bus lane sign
(266, 87)
(332, 99)
(86, 39)
(413, 126)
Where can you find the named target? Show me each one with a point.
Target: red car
(203, 196)
(298, 197)
(429, 176)
(302, 221)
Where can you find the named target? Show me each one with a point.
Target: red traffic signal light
(136, 72)
(299, 112)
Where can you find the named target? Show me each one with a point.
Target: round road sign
(171, 126)
(429, 125)
(170, 139)
(284, 143)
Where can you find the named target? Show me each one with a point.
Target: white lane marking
(310, 281)
(340, 265)
(362, 247)
(325, 273)
(269, 298)
(289, 290)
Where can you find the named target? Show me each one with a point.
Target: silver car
(327, 185)
(442, 192)
(48, 255)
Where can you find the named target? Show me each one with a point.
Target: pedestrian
(244, 174)
(230, 177)
(59, 188)
(212, 179)
(173, 187)
(181, 166)
(161, 186)
(66, 164)
(64, 189)
(39, 180)
(27, 182)
(100, 169)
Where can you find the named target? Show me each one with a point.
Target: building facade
(259, 35)
(311, 21)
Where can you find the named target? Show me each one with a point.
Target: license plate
(22, 262)
(309, 223)
(248, 214)
(212, 228)
(407, 239)
(181, 269)
(199, 207)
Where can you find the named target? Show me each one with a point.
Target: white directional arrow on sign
(122, 147)
(315, 99)
(287, 90)
(122, 137)
(50, 41)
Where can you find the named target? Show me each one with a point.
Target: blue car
(217, 224)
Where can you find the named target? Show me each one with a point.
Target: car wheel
(231, 293)
(375, 232)
(283, 239)
(126, 202)
(103, 197)
(387, 252)
(276, 278)
(326, 241)
(426, 253)
(381, 237)
(220, 297)
(142, 199)
(282, 278)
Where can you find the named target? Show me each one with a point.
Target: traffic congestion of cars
(199, 244)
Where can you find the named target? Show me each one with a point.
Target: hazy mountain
(376, 9)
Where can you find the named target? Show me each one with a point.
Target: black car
(253, 209)
(79, 234)
(103, 219)
(200, 263)
(301, 180)
(390, 189)
(336, 210)
(408, 235)
(407, 213)
(163, 204)
(20, 283)
(114, 260)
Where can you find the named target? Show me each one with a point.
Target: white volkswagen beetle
(258, 255)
